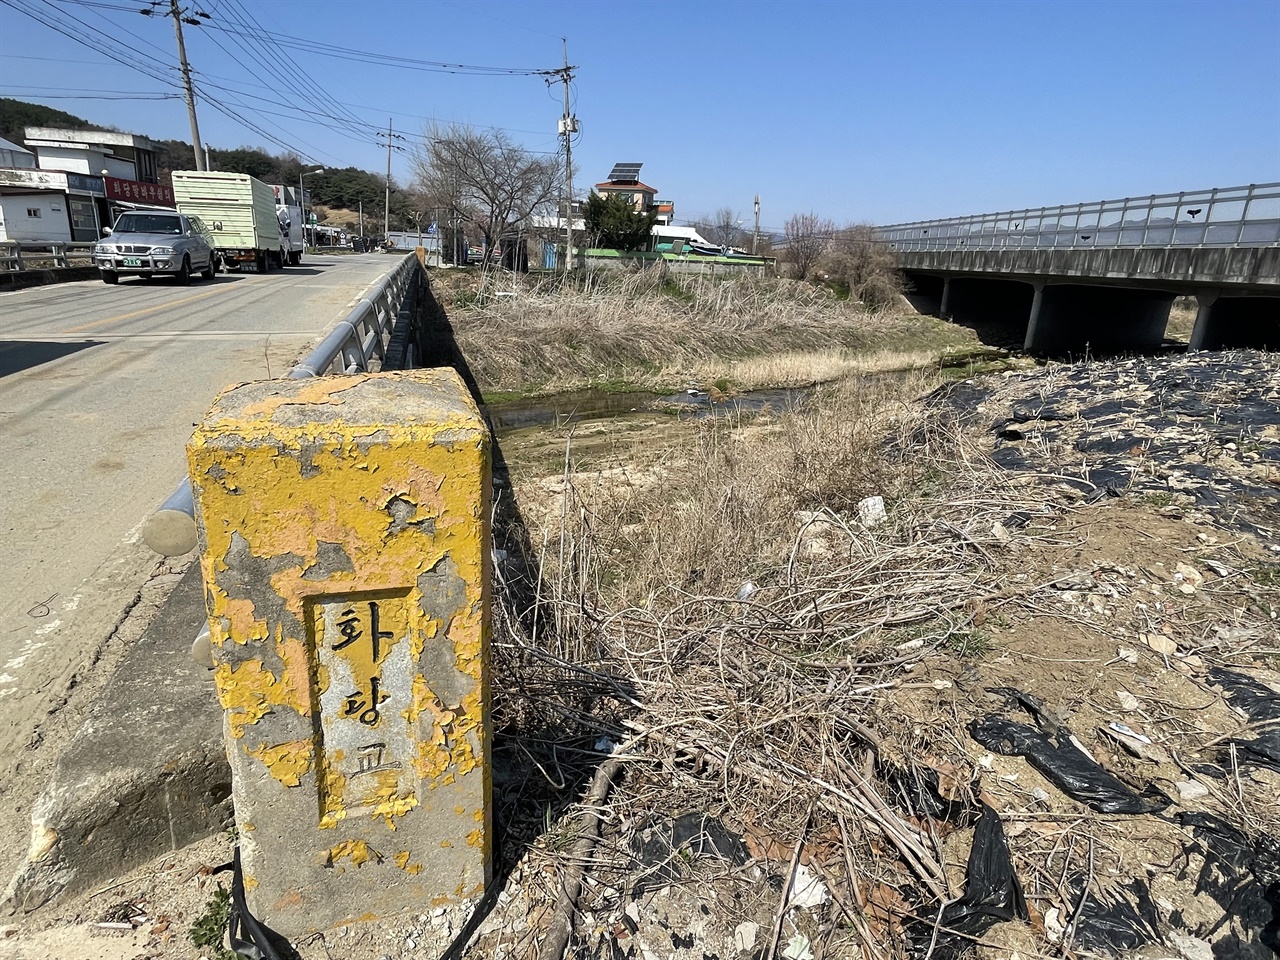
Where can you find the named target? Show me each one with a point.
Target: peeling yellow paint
(357, 851)
(249, 692)
(240, 622)
(311, 504)
(318, 390)
(287, 762)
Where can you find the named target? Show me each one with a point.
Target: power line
(233, 10)
(105, 96)
(408, 63)
(104, 45)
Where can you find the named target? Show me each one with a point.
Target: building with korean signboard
(82, 179)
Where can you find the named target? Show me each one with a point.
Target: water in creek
(566, 408)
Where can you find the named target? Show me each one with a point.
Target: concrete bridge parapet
(1108, 299)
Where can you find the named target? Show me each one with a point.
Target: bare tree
(808, 236)
(723, 228)
(486, 179)
(862, 265)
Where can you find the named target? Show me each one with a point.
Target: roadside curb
(145, 774)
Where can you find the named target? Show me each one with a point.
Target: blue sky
(880, 112)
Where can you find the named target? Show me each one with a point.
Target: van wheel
(184, 274)
(262, 262)
(295, 258)
(110, 276)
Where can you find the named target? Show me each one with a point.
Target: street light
(302, 205)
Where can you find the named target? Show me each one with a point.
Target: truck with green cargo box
(240, 212)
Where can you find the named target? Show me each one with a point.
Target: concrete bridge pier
(1225, 322)
(1071, 317)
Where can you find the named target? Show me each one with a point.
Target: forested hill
(16, 114)
(343, 188)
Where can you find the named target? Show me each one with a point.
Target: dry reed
(651, 329)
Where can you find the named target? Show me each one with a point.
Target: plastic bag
(250, 937)
(992, 894)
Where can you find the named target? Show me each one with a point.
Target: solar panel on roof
(625, 171)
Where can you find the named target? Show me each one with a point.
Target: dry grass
(723, 610)
(654, 330)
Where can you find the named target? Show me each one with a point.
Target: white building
(34, 217)
(93, 152)
(90, 176)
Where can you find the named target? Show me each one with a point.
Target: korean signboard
(135, 191)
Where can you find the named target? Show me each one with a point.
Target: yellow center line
(145, 310)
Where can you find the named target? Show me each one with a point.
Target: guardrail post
(345, 551)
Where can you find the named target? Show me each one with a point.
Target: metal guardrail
(1223, 217)
(355, 344)
(13, 252)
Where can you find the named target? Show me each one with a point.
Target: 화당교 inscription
(364, 678)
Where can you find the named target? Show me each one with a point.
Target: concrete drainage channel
(147, 772)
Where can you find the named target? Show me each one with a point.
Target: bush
(861, 267)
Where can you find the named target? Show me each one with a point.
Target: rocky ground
(1076, 754)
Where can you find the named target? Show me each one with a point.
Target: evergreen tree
(613, 223)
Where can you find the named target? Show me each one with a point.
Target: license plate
(248, 267)
(133, 261)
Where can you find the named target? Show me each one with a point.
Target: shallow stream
(567, 408)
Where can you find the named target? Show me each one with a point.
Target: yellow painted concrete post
(345, 550)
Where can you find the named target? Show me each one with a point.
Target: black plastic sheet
(1065, 766)
(1243, 875)
(1114, 921)
(992, 894)
(249, 937)
(659, 847)
(1261, 705)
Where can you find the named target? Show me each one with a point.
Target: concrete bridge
(1104, 274)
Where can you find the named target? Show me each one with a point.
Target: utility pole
(188, 93)
(755, 234)
(568, 126)
(362, 226)
(386, 217)
(391, 138)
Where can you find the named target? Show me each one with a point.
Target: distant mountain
(16, 114)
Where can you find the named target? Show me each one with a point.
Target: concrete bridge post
(1205, 299)
(944, 308)
(1034, 321)
(343, 525)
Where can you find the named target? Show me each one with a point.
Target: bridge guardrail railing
(15, 255)
(1221, 217)
(353, 345)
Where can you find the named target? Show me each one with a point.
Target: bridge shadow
(18, 355)
(544, 756)
(1001, 323)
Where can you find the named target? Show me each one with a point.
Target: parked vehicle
(240, 212)
(292, 242)
(147, 242)
(289, 216)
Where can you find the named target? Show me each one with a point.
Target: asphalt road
(99, 389)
